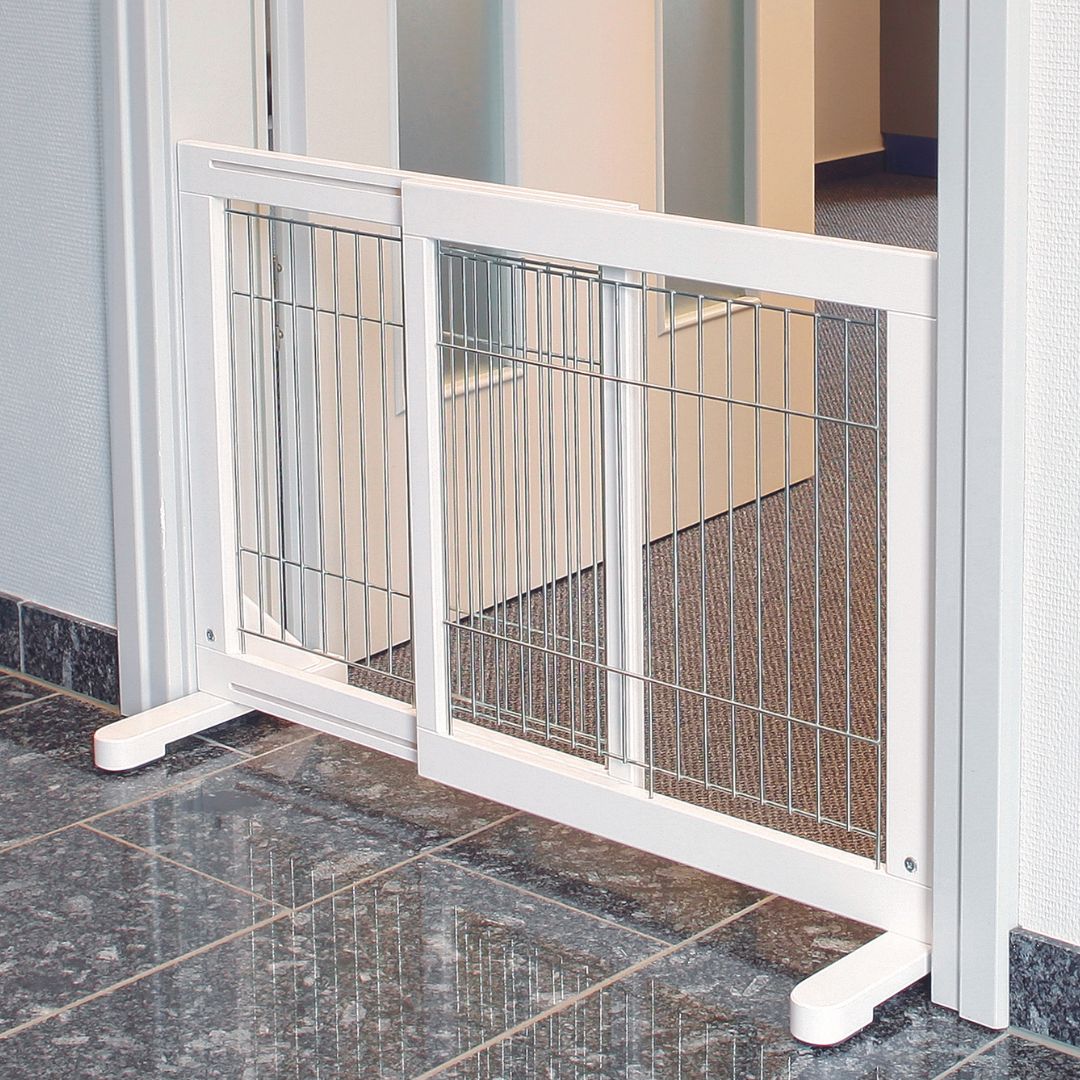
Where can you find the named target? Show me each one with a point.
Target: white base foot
(137, 739)
(838, 1001)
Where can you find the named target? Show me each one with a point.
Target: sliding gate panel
(294, 334)
(668, 610)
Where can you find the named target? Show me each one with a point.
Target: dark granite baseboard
(1044, 986)
(67, 652)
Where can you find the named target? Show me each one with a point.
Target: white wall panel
(56, 544)
(1050, 801)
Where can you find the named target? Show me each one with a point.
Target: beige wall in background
(585, 97)
(847, 85)
(784, 196)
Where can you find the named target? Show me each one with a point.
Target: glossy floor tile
(652, 895)
(386, 979)
(256, 733)
(718, 1007)
(304, 820)
(79, 912)
(15, 692)
(1015, 1058)
(47, 773)
(403, 929)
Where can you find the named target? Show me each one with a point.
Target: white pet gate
(501, 482)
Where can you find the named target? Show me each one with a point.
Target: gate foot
(838, 1001)
(137, 739)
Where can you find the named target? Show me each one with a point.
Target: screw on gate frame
(209, 635)
(910, 865)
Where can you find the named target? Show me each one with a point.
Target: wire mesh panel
(321, 484)
(734, 446)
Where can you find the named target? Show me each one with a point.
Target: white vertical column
(204, 271)
(424, 398)
(621, 357)
(910, 576)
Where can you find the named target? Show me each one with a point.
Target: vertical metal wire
(847, 571)
(674, 401)
(760, 569)
(732, 629)
(817, 575)
(361, 412)
(298, 435)
(234, 416)
(319, 452)
(789, 646)
(256, 383)
(879, 650)
(704, 595)
(388, 547)
(341, 456)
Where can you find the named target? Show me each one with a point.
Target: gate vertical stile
(622, 369)
(210, 429)
(424, 403)
(909, 607)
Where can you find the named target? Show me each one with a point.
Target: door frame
(980, 431)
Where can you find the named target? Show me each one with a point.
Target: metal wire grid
(321, 484)
(763, 665)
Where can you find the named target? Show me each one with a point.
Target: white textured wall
(1050, 802)
(55, 512)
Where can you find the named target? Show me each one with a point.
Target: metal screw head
(910, 865)
(209, 635)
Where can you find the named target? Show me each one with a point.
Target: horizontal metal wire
(587, 368)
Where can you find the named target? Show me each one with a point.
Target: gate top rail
(770, 260)
(315, 185)
(572, 228)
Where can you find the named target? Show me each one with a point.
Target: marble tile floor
(267, 903)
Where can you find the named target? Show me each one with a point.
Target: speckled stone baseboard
(59, 649)
(1044, 986)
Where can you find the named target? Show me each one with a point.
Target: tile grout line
(241, 759)
(952, 1070)
(14, 845)
(182, 866)
(283, 913)
(595, 988)
(140, 975)
(65, 691)
(277, 903)
(225, 746)
(549, 900)
(1066, 1049)
(33, 701)
(338, 890)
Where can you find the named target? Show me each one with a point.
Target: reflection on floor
(270, 903)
